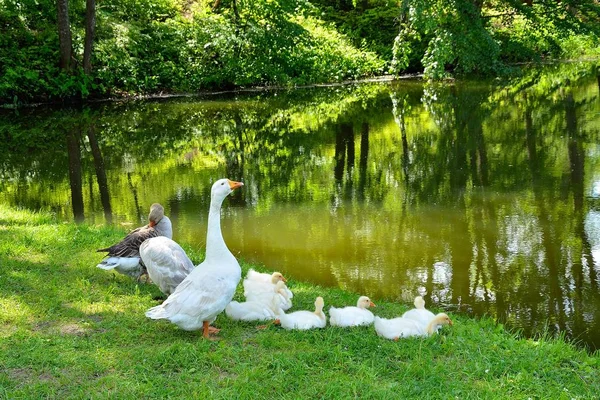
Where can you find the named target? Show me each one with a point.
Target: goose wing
(200, 297)
(130, 245)
(167, 263)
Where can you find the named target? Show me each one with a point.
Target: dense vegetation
(70, 330)
(154, 46)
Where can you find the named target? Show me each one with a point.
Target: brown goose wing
(130, 245)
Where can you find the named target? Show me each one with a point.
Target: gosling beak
(283, 279)
(371, 304)
(234, 185)
(450, 322)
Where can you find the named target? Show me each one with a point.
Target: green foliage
(473, 37)
(151, 46)
(371, 26)
(162, 46)
(455, 35)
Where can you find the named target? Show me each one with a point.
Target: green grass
(71, 330)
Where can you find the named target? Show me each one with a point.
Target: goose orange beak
(234, 185)
(450, 322)
(152, 223)
(371, 304)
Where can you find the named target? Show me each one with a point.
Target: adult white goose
(279, 293)
(304, 320)
(208, 289)
(405, 327)
(352, 316)
(419, 313)
(124, 257)
(166, 262)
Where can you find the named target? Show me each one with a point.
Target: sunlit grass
(70, 330)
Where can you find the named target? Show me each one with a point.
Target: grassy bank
(70, 330)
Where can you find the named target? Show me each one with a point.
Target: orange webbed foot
(207, 330)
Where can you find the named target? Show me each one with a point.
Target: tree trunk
(64, 34)
(90, 26)
(75, 179)
(100, 173)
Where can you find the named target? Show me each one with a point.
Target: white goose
(208, 289)
(166, 262)
(419, 313)
(124, 257)
(404, 327)
(352, 316)
(279, 292)
(304, 320)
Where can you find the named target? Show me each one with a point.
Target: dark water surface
(485, 198)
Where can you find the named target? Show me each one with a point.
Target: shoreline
(258, 88)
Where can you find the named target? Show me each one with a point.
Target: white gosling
(397, 328)
(419, 313)
(252, 310)
(279, 292)
(275, 277)
(208, 289)
(253, 286)
(304, 320)
(352, 316)
(124, 257)
(166, 262)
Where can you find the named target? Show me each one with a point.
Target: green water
(483, 197)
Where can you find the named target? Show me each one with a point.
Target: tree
(90, 24)
(64, 34)
(472, 36)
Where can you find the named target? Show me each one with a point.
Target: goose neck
(215, 245)
(432, 326)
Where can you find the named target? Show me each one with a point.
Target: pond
(483, 197)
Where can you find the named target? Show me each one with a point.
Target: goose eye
(222, 183)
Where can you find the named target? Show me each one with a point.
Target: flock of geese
(196, 295)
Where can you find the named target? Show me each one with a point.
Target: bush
(154, 46)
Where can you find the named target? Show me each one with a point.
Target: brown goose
(124, 257)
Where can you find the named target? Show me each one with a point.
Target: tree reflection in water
(480, 197)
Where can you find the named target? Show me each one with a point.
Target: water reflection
(483, 199)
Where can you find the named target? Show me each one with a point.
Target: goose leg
(207, 329)
(144, 278)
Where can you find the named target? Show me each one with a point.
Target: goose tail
(157, 312)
